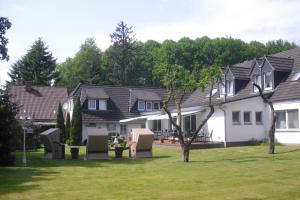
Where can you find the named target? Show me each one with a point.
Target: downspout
(129, 107)
(224, 111)
(225, 129)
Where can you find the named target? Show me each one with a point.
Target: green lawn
(232, 173)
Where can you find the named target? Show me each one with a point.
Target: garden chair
(140, 145)
(97, 144)
(53, 149)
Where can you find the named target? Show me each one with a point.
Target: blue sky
(65, 24)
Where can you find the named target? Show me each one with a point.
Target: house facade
(240, 114)
(103, 106)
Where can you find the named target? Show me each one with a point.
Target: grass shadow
(15, 179)
(289, 151)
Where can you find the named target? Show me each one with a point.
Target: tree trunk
(272, 134)
(186, 154)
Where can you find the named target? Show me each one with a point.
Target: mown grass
(233, 173)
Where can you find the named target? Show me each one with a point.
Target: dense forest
(131, 62)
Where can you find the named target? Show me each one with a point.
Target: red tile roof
(40, 103)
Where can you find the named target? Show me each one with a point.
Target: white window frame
(259, 122)
(150, 103)
(271, 82)
(287, 120)
(229, 89)
(139, 108)
(158, 103)
(250, 118)
(239, 122)
(257, 78)
(89, 104)
(222, 89)
(105, 103)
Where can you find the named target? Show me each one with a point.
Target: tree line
(131, 62)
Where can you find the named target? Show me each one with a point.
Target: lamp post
(24, 158)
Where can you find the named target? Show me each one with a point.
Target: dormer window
(257, 81)
(268, 85)
(141, 105)
(148, 106)
(92, 104)
(102, 105)
(221, 89)
(229, 87)
(156, 105)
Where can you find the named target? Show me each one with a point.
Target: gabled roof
(289, 89)
(142, 94)
(40, 103)
(240, 72)
(280, 63)
(119, 96)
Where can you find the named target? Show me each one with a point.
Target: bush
(8, 124)
(76, 125)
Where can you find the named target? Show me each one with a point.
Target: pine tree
(68, 127)
(60, 123)
(38, 66)
(123, 56)
(76, 125)
(8, 126)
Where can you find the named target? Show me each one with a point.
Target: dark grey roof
(95, 93)
(40, 103)
(143, 94)
(281, 63)
(119, 96)
(241, 73)
(287, 90)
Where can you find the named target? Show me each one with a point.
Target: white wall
(242, 132)
(288, 136)
(217, 125)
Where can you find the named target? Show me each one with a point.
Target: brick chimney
(28, 85)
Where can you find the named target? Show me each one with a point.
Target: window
(149, 106)
(221, 89)
(157, 125)
(229, 87)
(111, 127)
(287, 119)
(123, 129)
(91, 125)
(156, 105)
(258, 118)
(247, 117)
(190, 123)
(92, 104)
(257, 81)
(268, 81)
(236, 117)
(141, 105)
(102, 105)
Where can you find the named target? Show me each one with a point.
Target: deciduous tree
(4, 26)
(180, 81)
